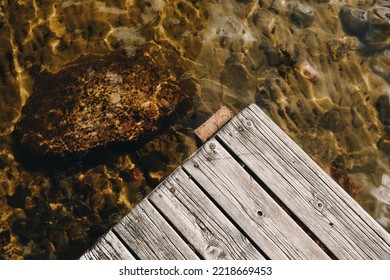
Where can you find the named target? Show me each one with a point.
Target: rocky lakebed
(99, 101)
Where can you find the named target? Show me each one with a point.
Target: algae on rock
(98, 100)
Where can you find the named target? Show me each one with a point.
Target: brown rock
(383, 107)
(97, 100)
(384, 144)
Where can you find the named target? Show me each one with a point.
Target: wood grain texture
(246, 202)
(150, 237)
(108, 247)
(198, 213)
(200, 221)
(325, 208)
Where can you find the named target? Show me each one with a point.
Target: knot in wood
(249, 123)
(215, 252)
(319, 204)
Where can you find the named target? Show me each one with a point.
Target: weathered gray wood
(108, 247)
(200, 221)
(150, 237)
(247, 203)
(327, 210)
(330, 213)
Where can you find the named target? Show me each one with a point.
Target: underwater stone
(383, 107)
(372, 27)
(354, 20)
(274, 56)
(384, 144)
(302, 15)
(379, 25)
(333, 121)
(98, 100)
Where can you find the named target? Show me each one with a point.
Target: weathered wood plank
(108, 247)
(150, 237)
(319, 173)
(200, 221)
(327, 210)
(248, 204)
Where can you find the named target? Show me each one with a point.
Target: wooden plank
(325, 208)
(248, 204)
(200, 221)
(318, 172)
(108, 247)
(150, 237)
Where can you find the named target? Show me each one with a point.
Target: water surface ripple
(321, 79)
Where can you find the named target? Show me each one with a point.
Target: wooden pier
(248, 193)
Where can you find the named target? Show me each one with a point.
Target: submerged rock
(384, 144)
(278, 56)
(97, 100)
(383, 107)
(371, 26)
(379, 28)
(355, 20)
(302, 15)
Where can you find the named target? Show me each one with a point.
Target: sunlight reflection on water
(320, 85)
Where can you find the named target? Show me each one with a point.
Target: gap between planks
(289, 174)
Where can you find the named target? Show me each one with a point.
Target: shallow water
(319, 84)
